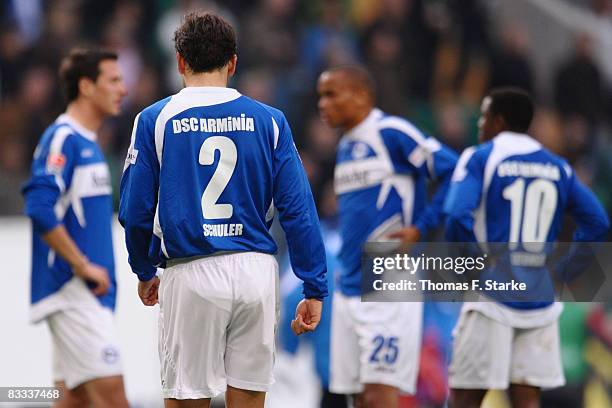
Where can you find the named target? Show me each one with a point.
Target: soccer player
(383, 164)
(205, 173)
(69, 200)
(511, 189)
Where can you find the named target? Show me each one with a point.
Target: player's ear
(86, 86)
(231, 66)
(363, 97)
(500, 123)
(180, 63)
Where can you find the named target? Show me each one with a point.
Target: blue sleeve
(52, 171)
(298, 215)
(138, 200)
(463, 198)
(443, 163)
(428, 158)
(592, 223)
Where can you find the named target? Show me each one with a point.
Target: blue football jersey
(206, 171)
(382, 167)
(70, 185)
(513, 190)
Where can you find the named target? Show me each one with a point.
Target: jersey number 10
(532, 210)
(223, 173)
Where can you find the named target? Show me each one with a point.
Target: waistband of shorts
(179, 261)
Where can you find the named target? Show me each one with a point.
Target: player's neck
(357, 119)
(85, 114)
(215, 78)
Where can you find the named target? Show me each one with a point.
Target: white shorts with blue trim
(374, 343)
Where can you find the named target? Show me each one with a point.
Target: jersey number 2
(222, 175)
(532, 210)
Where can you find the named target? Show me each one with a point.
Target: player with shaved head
(382, 166)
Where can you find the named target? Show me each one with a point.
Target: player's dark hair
(514, 105)
(358, 76)
(206, 42)
(81, 63)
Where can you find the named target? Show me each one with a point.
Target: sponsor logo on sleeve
(131, 156)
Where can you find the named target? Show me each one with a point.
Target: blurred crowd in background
(432, 61)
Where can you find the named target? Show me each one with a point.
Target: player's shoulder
(396, 126)
(152, 111)
(482, 150)
(59, 139)
(522, 145)
(59, 134)
(549, 156)
(475, 157)
(263, 109)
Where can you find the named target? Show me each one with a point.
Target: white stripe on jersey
(426, 147)
(131, 149)
(276, 132)
(90, 180)
(57, 144)
(461, 168)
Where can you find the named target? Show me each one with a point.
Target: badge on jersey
(56, 162)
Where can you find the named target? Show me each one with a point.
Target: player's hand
(307, 316)
(407, 236)
(95, 274)
(147, 291)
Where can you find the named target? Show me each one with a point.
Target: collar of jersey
(223, 93)
(517, 137)
(374, 115)
(76, 126)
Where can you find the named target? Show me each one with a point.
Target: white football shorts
(217, 321)
(85, 344)
(374, 343)
(488, 354)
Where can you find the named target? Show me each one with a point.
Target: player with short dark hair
(81, 63)
(514, 106)
(510, 189)
(69, 200)
(206, 42)
(206, 172)
(382, 165)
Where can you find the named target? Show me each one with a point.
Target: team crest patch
(56, 162)
(110, 355)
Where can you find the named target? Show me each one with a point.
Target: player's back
(520, 191)
(216, 154)
(525, 192)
